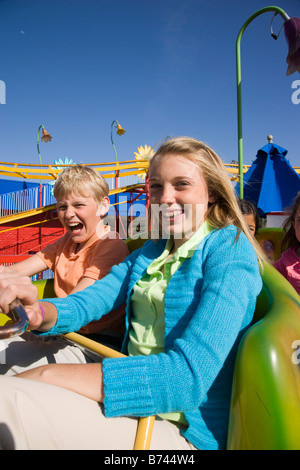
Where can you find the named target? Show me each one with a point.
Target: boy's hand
(17, 286)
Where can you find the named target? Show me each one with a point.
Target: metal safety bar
(19, 321)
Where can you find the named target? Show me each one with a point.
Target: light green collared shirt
(148, 322)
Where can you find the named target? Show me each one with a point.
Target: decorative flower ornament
(66, 161)
(120, 130)
(143, 154)
(46, 137)
(292, 34)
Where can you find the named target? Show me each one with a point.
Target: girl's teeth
(172, 214)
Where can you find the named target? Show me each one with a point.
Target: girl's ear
(212, 197)
(103, 207)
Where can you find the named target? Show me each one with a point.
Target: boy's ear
(103, 207)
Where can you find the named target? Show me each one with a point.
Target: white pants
(36, 415)
(27, 351)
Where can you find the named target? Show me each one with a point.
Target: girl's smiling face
(79, 215)
(179, 196)
(251, 222)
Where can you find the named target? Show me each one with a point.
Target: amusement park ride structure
(24, 232)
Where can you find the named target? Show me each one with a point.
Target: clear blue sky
(159, 67)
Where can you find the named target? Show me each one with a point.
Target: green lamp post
(120, 131)
(46, 137)
(292, 32)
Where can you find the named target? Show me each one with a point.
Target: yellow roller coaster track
(50, 172)
(108, 170)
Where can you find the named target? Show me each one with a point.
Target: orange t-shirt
(94, 261)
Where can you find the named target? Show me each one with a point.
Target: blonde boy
(88, 249)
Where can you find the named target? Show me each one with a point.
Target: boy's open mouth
(75, 226)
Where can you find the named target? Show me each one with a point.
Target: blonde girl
(190, 298)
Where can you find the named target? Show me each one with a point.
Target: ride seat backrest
(270, 239)
(265, 402)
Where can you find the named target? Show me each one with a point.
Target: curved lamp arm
(111, 137)
(38, 142)
(285, 17)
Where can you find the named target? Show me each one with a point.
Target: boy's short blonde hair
(81, 180)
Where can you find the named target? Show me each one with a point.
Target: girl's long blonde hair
(225, 210)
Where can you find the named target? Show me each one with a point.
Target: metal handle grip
(20, 321)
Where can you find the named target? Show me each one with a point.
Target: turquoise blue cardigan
(209, 303)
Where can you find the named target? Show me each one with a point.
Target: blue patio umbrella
(271, 183)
